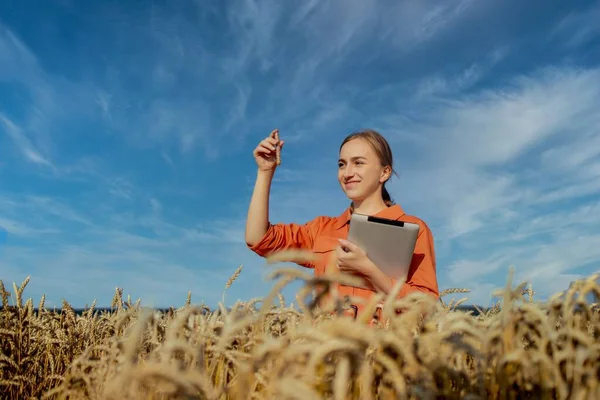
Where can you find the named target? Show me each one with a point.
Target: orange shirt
(320, 235)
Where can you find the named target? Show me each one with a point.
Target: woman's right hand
(265, 153)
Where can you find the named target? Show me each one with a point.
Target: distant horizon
(591, 298)
(80, 310)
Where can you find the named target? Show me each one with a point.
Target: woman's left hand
(353, 259)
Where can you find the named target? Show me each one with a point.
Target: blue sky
(127, 130)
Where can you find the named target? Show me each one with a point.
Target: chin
(353, 196)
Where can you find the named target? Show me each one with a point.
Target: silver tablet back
(390, 244)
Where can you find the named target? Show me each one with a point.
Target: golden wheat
(519, 348)
(277, 149)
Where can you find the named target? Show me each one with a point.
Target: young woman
(364, 166)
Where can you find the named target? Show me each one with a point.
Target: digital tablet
(390, 244)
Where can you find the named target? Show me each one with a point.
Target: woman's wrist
(377, 279)
(265, 172)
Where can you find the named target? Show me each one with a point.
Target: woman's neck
(369, 206)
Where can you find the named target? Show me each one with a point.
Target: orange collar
(394, 212)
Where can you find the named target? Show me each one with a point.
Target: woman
(364, 166)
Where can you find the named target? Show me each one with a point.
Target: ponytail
(387, 199)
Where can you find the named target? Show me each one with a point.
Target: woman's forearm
(378, 280)
(257, 220)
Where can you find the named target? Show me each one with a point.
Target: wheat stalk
(233, 277)
(429, 350)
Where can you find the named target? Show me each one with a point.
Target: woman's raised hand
(268, 152)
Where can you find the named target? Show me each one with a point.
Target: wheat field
(265, 349)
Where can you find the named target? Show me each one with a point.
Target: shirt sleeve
(280, 237)
(422, 272)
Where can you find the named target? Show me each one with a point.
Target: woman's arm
(267, 157)
(422, 275)
(257, 221)
(265, 238)
(261, 236)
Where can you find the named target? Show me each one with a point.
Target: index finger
(274, 133)
(346, 244)
(341, 250)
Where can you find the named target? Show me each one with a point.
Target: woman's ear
(385, 175)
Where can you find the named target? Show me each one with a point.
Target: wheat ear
(277, 149)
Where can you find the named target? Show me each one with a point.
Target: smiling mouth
(351, 183)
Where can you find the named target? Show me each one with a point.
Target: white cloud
(316, 52)
(23, 143)
(501, 124)
(27, 215)
(493, 167)
(103, 100)
(47, 102)
(438, 17)
(578, 28)
(464, 139)
(16, 60)
(140, 251)
(177, 111)
(18, 229)
(439, 85)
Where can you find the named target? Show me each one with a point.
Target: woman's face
(360, 173)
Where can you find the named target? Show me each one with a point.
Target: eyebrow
(354, 158)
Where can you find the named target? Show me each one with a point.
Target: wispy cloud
(497, 163)
(439, 85)
(579, 27)
(44, 101)
(23, 143)
(140, 251)
(16, 59)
